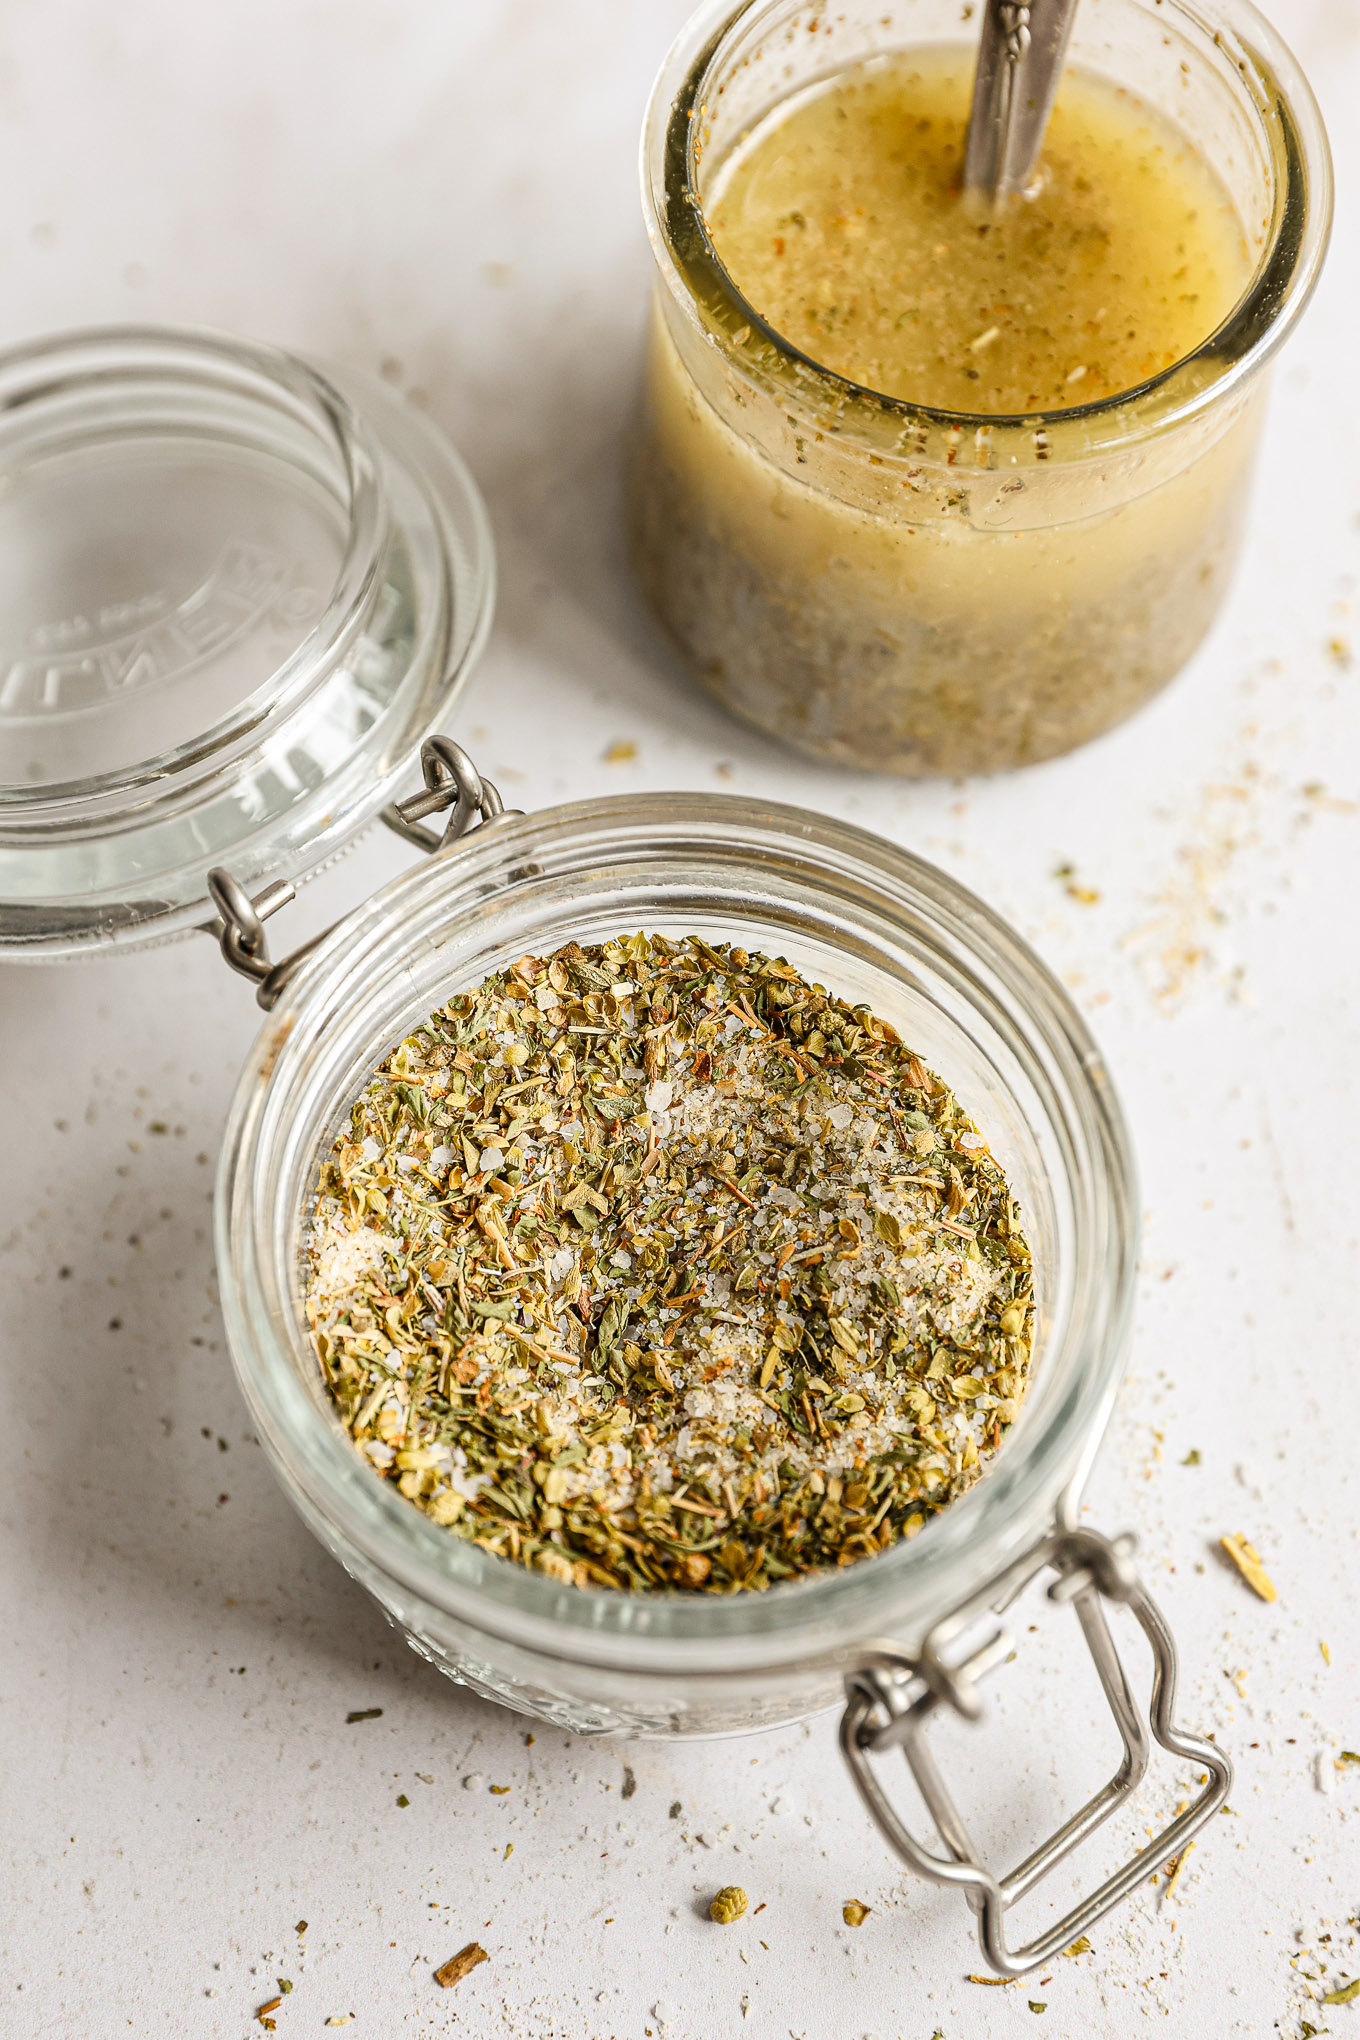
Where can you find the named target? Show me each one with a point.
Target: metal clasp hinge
(452, 784)
(892, 1696)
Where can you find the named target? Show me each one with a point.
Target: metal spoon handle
(1020, 60)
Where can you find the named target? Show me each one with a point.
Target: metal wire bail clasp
(452, 781)
(893, 1695)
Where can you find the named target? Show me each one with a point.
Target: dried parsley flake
(650, 1265)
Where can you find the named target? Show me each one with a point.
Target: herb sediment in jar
(652, 1266)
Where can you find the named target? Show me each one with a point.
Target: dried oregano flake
(650, 1265)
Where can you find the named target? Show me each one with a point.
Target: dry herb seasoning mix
(650, 1265)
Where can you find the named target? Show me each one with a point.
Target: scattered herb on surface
(458, 1966)
(1248, 1562)
(1174, 1873)
(728, 1904)
(854, 1913)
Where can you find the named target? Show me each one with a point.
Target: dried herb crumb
(363, 1714)
(402, 1800)
(728, 1904)
(500, 1790)
(1081, 1946)
(459, 1965)
(1192, 1457)
(854, 1912)
(677, 1809)
(1248, 1562)
(650, 1265)
(1038, 2005)
(1347, 1994)
(629, 1783)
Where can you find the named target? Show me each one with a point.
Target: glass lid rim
(594, 1626)
(304, 667)
(86, 865)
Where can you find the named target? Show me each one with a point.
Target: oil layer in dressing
(841, 220)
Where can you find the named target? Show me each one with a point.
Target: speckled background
(446, 194)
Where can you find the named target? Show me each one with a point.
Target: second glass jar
(906, 589)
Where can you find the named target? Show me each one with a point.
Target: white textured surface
(449, 190)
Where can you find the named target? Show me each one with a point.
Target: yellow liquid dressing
(842, 222)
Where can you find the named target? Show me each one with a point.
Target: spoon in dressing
(1020, 60)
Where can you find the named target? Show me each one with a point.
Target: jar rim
(1242, 343)
(342, 1006)
(382, 482)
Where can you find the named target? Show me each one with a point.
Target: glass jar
(247, 480)
(879, 926)
(886, 585)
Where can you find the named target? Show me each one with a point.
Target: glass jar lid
(236, 594)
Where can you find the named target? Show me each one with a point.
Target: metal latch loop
(452, 782)
(892, 1695)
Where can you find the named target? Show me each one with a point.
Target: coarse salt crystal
(659, 1095)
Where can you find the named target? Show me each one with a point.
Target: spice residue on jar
(651, 1265)
(842, 221)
